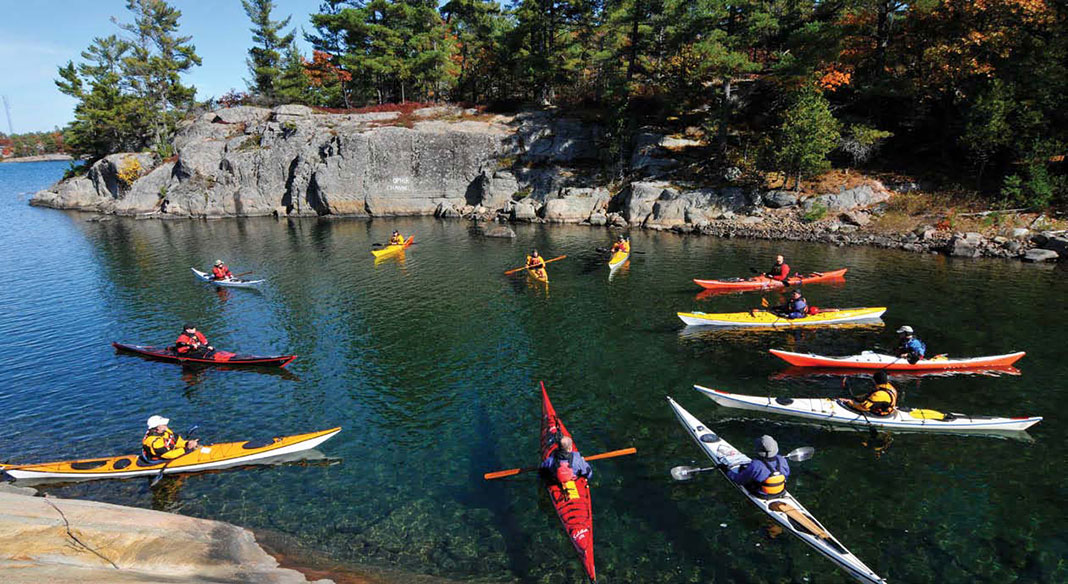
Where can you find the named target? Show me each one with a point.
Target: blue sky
(37, 36)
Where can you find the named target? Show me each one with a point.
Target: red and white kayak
(765, 283)
(873, 361)
(573, 506)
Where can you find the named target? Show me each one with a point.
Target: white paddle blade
(682, 473)
(801, 454)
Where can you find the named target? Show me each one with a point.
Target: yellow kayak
(392, 249)
(618, 259)
(765, 318)
(213, 456)
(542, 277)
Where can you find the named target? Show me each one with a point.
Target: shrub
(816, 213)
(129, 171)
(861, 142)
(75, 169)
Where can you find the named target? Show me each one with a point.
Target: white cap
(905, 329)
(218, 262)
(154, 421)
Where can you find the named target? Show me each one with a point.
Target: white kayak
(830, 410)
(230, 283)
(783, 508)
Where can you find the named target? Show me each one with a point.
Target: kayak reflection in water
(396, 238)
(795, 307)
(880, 401)
(192, 343)
(161, 443)
(220, 271)
(780, 271)
(566, 464)
(909, 346)
(765, 476)
(536, 263)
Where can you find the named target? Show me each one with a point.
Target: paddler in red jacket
(192, 342)
(220, 271)
(536, 264)
(161, 443)
(780, 271)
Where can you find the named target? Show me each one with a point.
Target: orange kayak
(765, 283)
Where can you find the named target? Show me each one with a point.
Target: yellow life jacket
(774, 484)
(162, 446)
(881, 401)
(571, 489)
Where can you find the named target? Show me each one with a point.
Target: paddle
(159, 476)
(685, 473)
(241, 274)
(510, 272)
(514, 471)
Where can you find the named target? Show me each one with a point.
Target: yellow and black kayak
(215, 456)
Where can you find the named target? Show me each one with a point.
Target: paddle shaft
(510, 272)
(159, 476)
(514, 471)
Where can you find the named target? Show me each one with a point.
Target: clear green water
(431, 366)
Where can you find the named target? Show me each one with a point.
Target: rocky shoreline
(38, 158)
(536, 167)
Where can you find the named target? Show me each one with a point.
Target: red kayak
(871, 361)
(215, 358)
(575, 509)
(765, 283)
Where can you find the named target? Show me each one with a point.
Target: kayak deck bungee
(766, 318)
(389, 250)
(231, 283)
(830, 410)
(765, 283)
(783, 508)
(216, 358)
(873, 361)
(576, 514)
(215, 456)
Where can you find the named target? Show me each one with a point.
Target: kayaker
(795, 307)
(161, 443)
(536, 264)
(396, 238)
(621, 244)
(880, 401)
(780, 271)
(220, 271)
(909, 346)
(766, 475)
(192, 342)
(565, 454)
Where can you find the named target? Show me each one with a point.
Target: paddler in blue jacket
(795, 307)
(566, 452)
(910, 347)
(766, 475)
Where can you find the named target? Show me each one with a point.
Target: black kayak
(213, 358)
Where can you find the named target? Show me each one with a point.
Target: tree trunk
(724, 115)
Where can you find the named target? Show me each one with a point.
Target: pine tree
(102, 118)
(809, 132)
(293, 84)
(265, 60)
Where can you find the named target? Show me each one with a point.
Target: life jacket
(780, 273)
(776, 481)
(566, 476)
(623, 246)
(882, 400)
(186, 343)
(396, 240)
(221, 272)
(535, 261)
(155, 446)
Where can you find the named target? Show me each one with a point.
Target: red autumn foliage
(322, 71)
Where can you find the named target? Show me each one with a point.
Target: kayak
(392, 249)
(230, 283)
(215, 456)
(575, 510)
(795, 372)
(765, 318)
(872, 360)
(783, 508)
(618, 259)
(832, 411)
(765, 283)
(216, 358)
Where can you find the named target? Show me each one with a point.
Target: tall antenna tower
(7, 110)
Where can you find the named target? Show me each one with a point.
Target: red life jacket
(221, 272)
(186, 342)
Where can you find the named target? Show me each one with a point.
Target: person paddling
(192, 343)
(220, 271)
(880, 401)
(536, 264)
(795, 307)
(765, 476)
(622, 244)
(396, 238)
(780, 271)
(566, 462)
(909, 346)
(161, 443)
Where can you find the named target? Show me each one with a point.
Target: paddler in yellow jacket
(396, 238)
(536, 264)
(161, 443)
(622, 244)
(880, 401)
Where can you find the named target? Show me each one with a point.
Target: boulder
(858, 197)
(1020, 232)
(1037, 255)
(574, 205)
(965, 245)
(524, 211)
(1059, 244)
(779, 199)
(857, 218)
(501, 231)
(635, 202)
(446, 210)
(599, 218)
(616, 220)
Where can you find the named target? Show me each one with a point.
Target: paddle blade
(682, 473)
(502, 473)
(764, 302)
(801, 454)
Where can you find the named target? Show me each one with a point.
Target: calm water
(431, 364)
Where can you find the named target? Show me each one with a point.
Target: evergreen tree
(293, 84)
(807, 135)
(479, 27)
(265, 60)
(102, 117)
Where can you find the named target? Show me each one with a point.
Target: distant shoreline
(39, 158)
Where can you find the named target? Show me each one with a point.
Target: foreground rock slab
(45, 539)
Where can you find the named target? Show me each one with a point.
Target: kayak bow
(215, 456)
(765, 318)
(872, 360)
(575, 510)
(832, 411)
(216, 358)
(784, 508)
